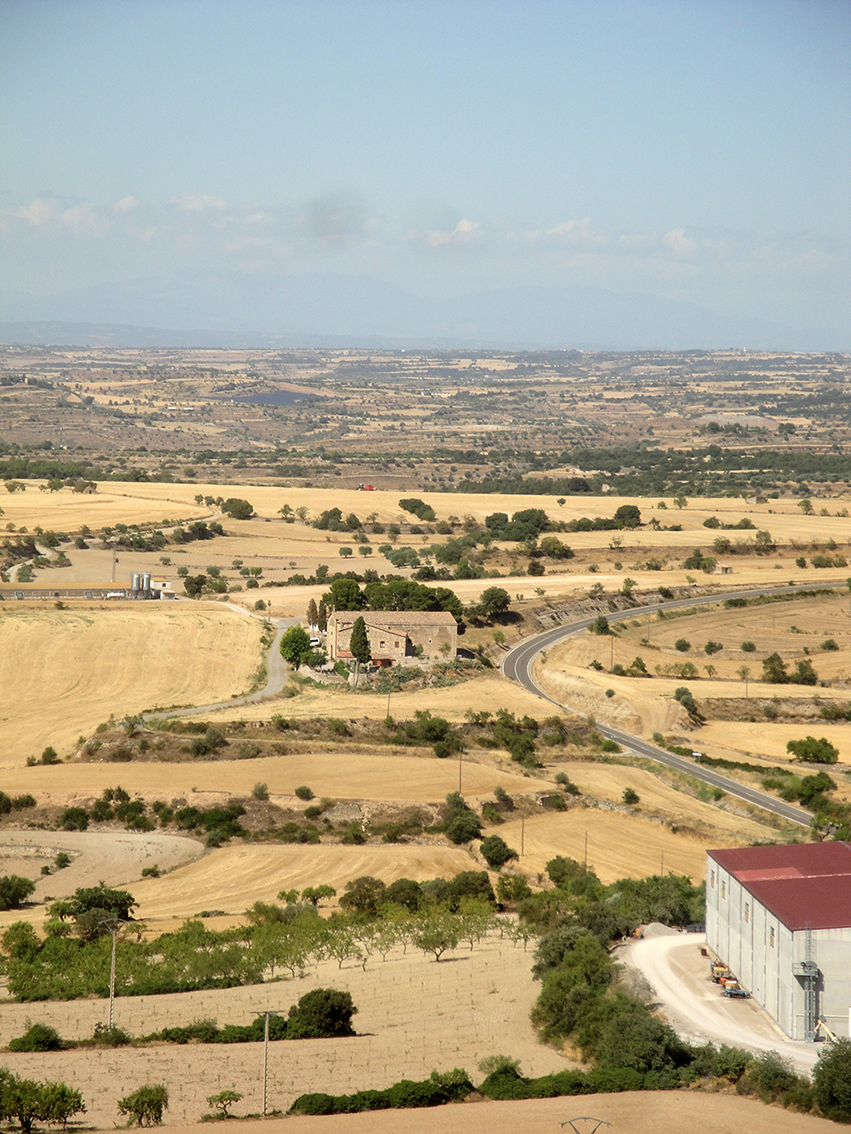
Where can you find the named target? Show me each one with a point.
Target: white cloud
(83, 219)
(462, 231)
(39, 212)
(572, 228)
(679, 243)
(127, 204)
(198, 202)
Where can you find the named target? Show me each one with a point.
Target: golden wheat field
(63, 672)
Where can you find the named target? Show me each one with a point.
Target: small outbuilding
(780, 917)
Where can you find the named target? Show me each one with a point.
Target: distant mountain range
(331, 311)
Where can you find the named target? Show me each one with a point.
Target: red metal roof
(802, 885)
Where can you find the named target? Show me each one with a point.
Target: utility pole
(267, 1014)
(113, 927)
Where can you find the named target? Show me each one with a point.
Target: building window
(771, 937)
(747, 912)
(381, 645)
(723, 889)
(712, 879)
(396, 645)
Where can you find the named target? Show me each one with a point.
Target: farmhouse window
(747, 912)
(712, 879)
(723, 889)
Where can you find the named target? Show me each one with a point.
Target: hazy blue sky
(695, 149)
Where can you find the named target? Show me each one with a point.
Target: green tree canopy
(494, 601)
(359, 642)
(14, 891)
(345, 594)
(818, 751)
(833, 1080)
(295, 646)
(628, 516)
(237, 508)
(496, 852)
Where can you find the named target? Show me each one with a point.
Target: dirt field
(647, 706)
(281, 548)
(627, 1113)
(414, 1016)
(63, 672)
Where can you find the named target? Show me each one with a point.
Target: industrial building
(780, 917)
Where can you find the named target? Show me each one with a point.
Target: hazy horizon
(656, 171)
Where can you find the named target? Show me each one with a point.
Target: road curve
(517, 666)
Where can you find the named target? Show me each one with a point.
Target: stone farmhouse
(396, 637)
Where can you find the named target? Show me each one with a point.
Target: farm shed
(780, 917)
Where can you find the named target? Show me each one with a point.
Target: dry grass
(63, 672)
(416, 1015)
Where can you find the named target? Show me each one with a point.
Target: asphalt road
(517, 666)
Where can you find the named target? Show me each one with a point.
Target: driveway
(697, 1008)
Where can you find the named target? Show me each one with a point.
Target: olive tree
(145, 1106)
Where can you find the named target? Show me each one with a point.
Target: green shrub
(304, 793)
(316, 1103)
(14, 891)
(145, 1105)
(111, 1036)
(819, 751)
(322, 1013)
(40, 1037)
(496, 852)
(833, 1081)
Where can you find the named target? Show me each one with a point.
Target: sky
(694, 150)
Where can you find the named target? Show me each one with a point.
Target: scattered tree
(145, 1106)
(819, 751)
(295, 646)
(14, 891)
(496, 852)
(224, 1100)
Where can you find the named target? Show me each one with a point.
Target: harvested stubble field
(268, 542)
(65, 671)
(414, 1016)
(629, 1113)
(796, 629)
(122, 659)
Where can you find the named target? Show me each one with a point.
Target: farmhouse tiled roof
(396, 617)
